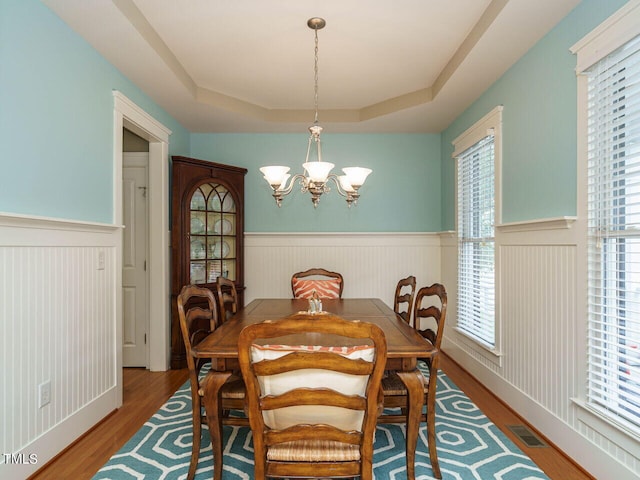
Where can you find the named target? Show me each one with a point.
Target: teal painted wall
(539, 124)
(401, 195)
(56, 118)
(56, 121)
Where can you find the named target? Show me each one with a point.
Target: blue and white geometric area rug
(470, 446)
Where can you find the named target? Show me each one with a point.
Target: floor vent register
(527, 437)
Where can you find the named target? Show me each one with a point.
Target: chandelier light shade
(317, 173)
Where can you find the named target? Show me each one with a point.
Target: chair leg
(431, 423)
(197, 436)
(415, 393)
(213, 409)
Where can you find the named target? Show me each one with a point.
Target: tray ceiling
(247, 65)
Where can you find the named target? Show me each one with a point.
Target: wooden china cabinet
(207, 233)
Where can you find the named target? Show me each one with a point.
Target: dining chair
(227, 298)
(403, 298)
(313, 409)
(198, 314)
(429, 315)
(325, 283)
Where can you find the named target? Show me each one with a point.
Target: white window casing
(608, 69)
(478, 154)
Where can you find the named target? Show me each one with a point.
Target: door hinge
(145, 265)
(145, 338)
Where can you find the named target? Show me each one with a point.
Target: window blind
(476, 245)
(613, 156)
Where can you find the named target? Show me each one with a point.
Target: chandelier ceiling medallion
(316, 173)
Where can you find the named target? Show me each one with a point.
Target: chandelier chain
(315, 71)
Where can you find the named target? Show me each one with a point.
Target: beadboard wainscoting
(59, 320)
(371, 263)
(538, 368)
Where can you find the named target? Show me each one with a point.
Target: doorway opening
(128, 115)
(135, 311)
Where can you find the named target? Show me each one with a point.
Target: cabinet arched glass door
(213, 227)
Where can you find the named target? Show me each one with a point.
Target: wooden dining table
(404, 347)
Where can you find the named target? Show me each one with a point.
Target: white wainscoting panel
(538, 297)
(371, 263)
(57, 317)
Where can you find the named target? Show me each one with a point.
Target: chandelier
(317, 173)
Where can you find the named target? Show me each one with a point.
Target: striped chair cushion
(346, 351)
(312, 378)
(324, 288)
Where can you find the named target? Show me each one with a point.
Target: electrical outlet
(101, 260)
(44, 393)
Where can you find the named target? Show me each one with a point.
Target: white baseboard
(43, 449)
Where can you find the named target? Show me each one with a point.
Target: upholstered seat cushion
(313, 451)
(313, 378)
(269, 352)
(324, 288)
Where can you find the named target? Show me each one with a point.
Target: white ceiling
(247, 65)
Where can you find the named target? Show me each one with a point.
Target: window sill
(558, 223)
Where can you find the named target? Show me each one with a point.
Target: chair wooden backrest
(198, 314)
(403, 298)
(227, 298)
(429, 315)
(326, 284)
(313, 411)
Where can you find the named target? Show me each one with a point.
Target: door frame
(128, 115)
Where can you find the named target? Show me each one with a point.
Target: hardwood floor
(145, 392)
(551, 461)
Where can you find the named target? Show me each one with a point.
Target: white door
(134, 262)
